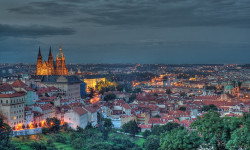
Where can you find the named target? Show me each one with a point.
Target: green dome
(229, 87)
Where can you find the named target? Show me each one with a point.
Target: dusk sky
(126, 31)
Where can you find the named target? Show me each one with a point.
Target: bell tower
(61, 68)
(51, 62)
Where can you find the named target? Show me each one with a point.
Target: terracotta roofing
(126, 106)
(91, 109)
(16, 94)
(18, 83)
(46, 106)
(4, 87)
(143, 126)
(80, 111)
(157, 121)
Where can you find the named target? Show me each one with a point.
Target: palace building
(51, 67)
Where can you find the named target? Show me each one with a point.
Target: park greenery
(211, 131)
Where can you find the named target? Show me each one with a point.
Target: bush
(77, 143)
(60, 138)
(50, 142)
(45, 130)
(38, 146)
(146, 133)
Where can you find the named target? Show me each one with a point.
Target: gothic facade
(51, 67)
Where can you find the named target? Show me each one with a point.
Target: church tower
(236, 89)
(61, 68)
(51, 63)
(39, 63)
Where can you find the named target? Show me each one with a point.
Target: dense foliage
(223, 133)
(131, 128)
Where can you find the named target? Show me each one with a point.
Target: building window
(6, 101)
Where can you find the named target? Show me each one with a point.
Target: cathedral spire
(50, 52)
(60, 54)
(60, 46)
(39, 53)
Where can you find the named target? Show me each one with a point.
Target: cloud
(149, 13)
(33, 31)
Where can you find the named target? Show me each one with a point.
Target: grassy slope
(24, 145)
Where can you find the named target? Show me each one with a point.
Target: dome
(229, 87)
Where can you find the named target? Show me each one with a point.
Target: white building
(76, 117)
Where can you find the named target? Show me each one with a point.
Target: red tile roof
(91, 109)
(4, 87)
(18, 83)
(80, 111)
(16, 94)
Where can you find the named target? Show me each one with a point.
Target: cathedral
(51, 67)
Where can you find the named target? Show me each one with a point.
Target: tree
(38, 146)
(5, 131)
(36, 125)
(240, 139)
(108, 123)
(53, 124)
(89, 126)
(157, 116)
(119, 87)
(109, 97)
(146, 133)
(183, 94)
(92, 92)
(47, 95)
(182, 108)
(158, 130)
(180, 139)
(107, 126)
(209, 107)
(137, 90)
(131, 127)
(101, 145)
(216, 131)
(152, 142)
(168, 91)
(132, 98)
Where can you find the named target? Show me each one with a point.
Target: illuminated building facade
(12, 105)
(91, 83)
(69, 86)
(50, 67)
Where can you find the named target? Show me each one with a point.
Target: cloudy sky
(126, 31)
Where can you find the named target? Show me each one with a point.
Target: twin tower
(51, 67)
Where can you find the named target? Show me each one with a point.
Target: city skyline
(128, 31)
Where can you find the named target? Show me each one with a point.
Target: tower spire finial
(60, 45)
(50, 52)
(39, 52)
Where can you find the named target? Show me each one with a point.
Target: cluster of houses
(25, 104)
